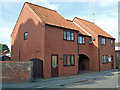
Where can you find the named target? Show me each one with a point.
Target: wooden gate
(37, 69)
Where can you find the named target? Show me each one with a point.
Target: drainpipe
(99, 52)
(78, 52)
(19, 54)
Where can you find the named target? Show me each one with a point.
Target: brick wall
(15, 71)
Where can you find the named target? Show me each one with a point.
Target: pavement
(61, 82)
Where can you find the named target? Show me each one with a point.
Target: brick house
(62, 47)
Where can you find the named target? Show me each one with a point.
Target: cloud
(51, 6)
(5, 35)
(109, 24)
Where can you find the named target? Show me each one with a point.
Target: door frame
(57, 63)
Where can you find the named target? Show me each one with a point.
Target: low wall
(15, 71)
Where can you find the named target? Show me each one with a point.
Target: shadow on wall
(31, 48)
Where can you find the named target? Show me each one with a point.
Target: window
(111, 42)
(103, 41)
(68, 36)
(104, 59)
(81, 40)
(68, 60)
(25, 36)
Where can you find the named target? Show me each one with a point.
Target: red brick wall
(107, 50)
(91, 51)
(54, 44)
(15, 71)
(28, 22)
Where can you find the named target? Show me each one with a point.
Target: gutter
(78, 52)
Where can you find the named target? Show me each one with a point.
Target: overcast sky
(106, 14)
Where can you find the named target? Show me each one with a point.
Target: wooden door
(37, 68)
(54, 66)
(112, 62)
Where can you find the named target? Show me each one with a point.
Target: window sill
(68, 40)
(68, 65)
(104, 63)
(81, 43)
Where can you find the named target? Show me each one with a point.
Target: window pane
(106, 59)
(65, 37)
(102, 59)
(72, 36)
(72, 59)
(103, 41)
(68, 35)
(25, 35)
(65, 60)
(68, 59)
(78, 39)
(81, 40)
(111, 42)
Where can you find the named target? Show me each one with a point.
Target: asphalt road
(102, 82)
(103, 79)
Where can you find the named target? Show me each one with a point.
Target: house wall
(54, 44)
(107, 50)
(91, 51)
(28, 22)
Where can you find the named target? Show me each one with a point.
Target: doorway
(54, 65)
(112, 62)
(37, 69)
(84, 62)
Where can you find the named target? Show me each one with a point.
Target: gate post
(31, 71)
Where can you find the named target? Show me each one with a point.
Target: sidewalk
(43, 83)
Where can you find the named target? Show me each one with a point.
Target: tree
(4, 48)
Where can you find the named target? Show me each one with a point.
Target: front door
(54, 66)
(112, 62)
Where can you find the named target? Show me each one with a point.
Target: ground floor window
(104, 59)
(68, 60)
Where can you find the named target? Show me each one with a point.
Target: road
(102, 82)
(103, 79)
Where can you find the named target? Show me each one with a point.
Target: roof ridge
(68, 20)
(39, 6)
(84, 20)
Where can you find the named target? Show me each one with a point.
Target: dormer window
(25, 35)
(103, 41)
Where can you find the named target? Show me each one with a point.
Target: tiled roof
(52, 17)
(97, 30)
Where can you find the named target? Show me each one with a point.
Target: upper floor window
(68, 35)
(103, 41)
(68, 60)
(25, 35)
(111, 42)
(81, 40)
(104, 59)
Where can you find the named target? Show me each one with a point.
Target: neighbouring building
(117, 54)
(60, 47)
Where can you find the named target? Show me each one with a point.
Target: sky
(105, 14)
